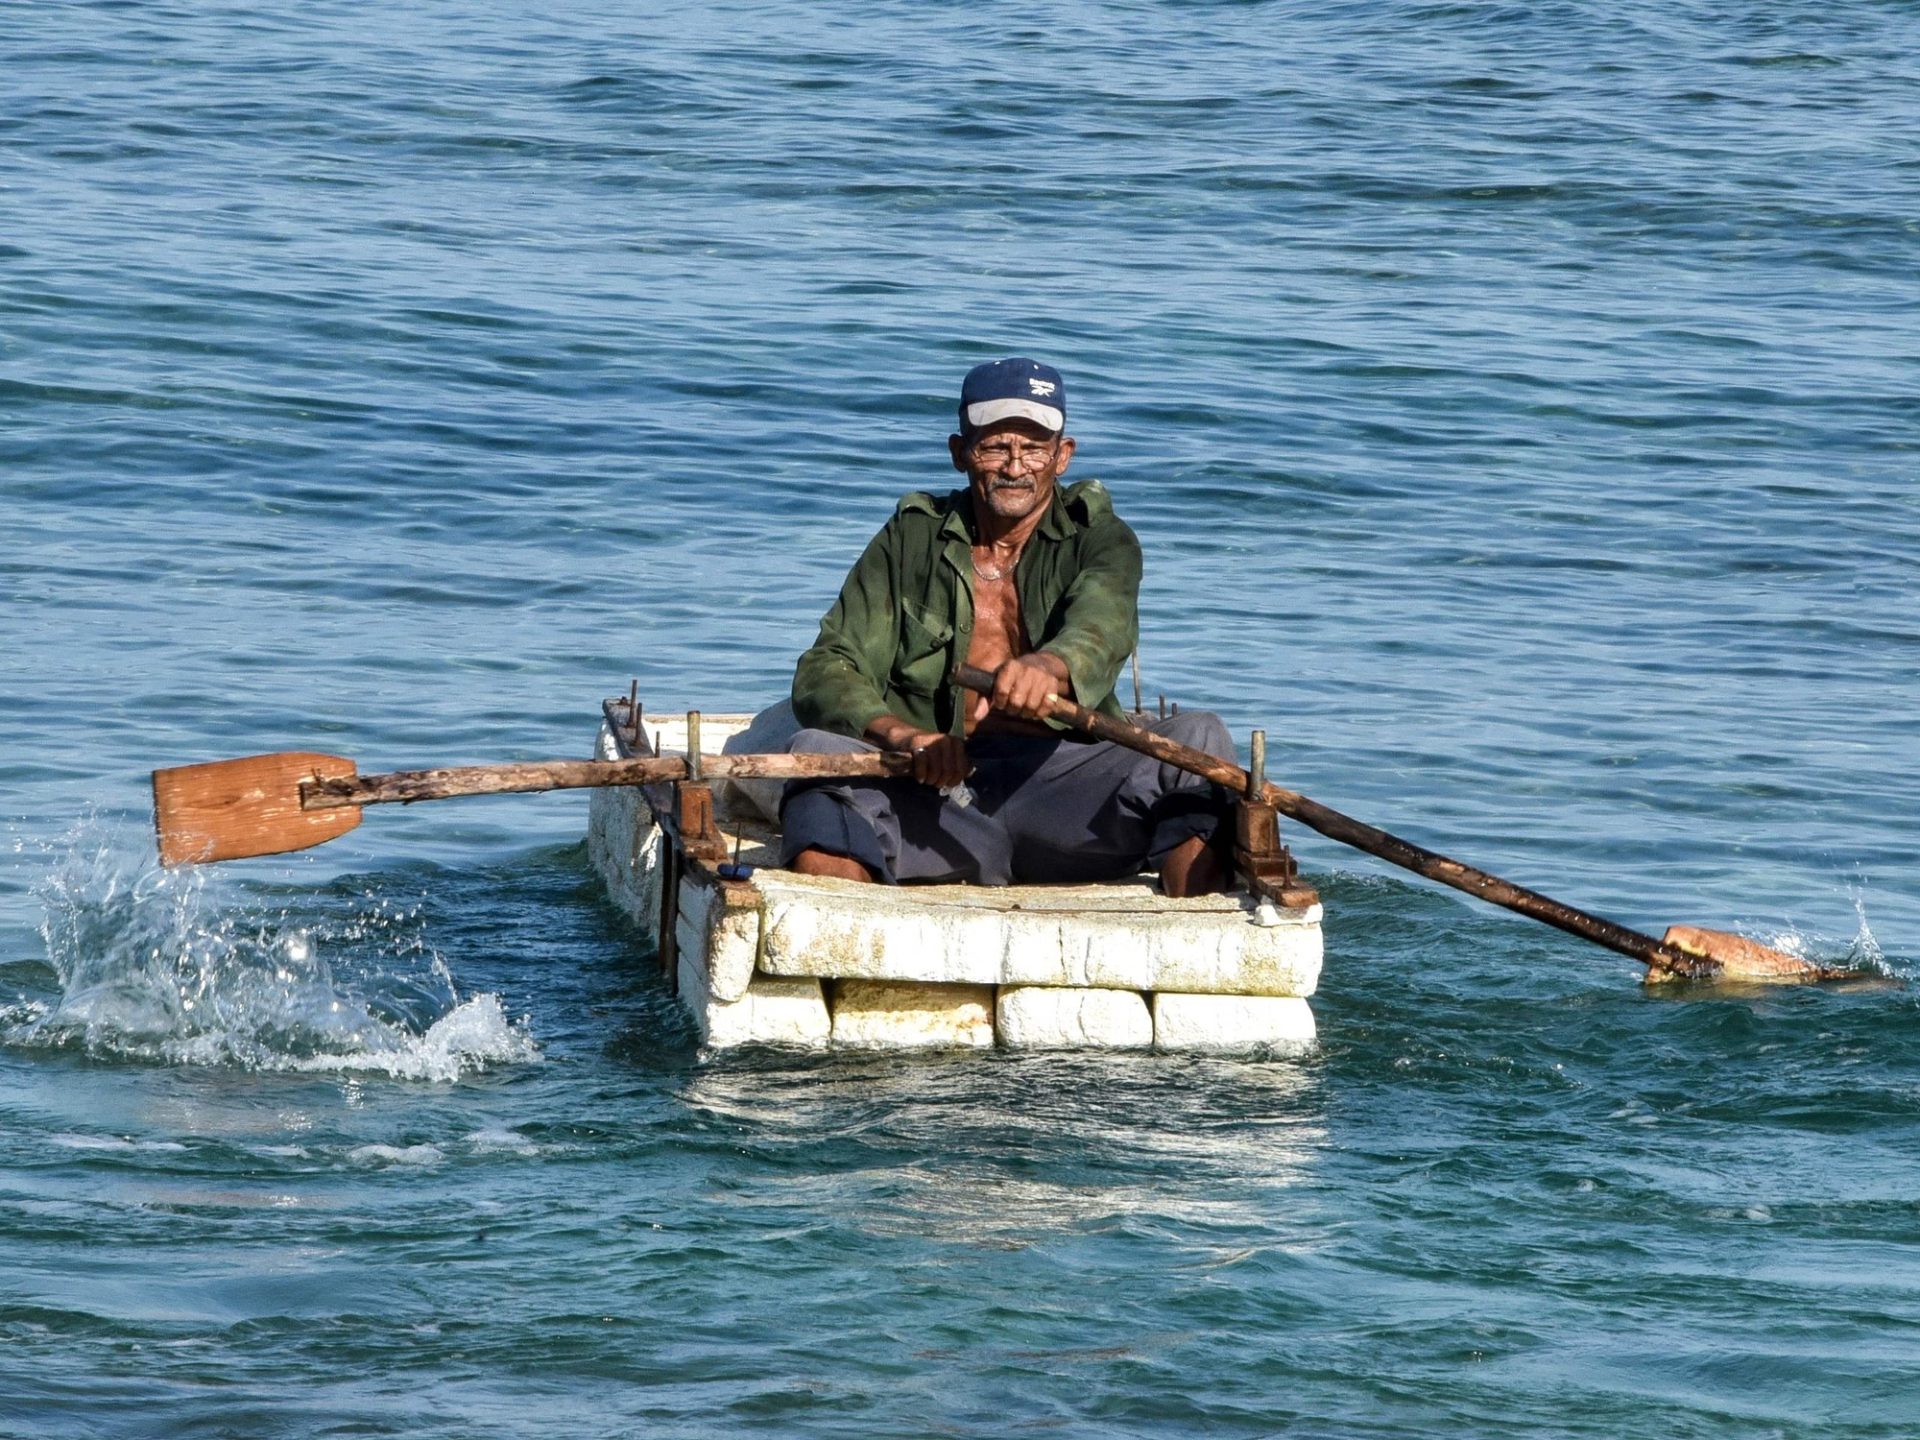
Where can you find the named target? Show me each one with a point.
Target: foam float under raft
(758, 955)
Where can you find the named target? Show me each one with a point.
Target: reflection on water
(1001, 1150)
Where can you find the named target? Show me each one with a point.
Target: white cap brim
(992, 412)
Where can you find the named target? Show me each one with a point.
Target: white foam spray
(169, 966)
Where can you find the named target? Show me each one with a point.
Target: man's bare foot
(839, 867)
(1193, 868)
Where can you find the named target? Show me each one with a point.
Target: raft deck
(775, 958)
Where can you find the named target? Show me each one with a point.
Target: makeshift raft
(761, 956)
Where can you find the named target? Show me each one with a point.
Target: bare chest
(999, 633)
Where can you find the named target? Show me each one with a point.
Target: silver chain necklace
(991, 573)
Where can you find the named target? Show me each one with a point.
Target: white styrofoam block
(773, 1011)
(895, 1015)
(1230, 1022)
(733, 943)
(689, 941)
(667, 730)
(690, 978)
(1042, 1017)
(624, 847)
(1028, 936)
(725, 928)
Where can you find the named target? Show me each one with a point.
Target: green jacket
(905, 615)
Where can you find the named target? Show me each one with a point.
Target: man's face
(1011, 466)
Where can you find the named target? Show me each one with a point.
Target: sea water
(1517, 404)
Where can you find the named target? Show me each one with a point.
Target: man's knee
(1199, 730)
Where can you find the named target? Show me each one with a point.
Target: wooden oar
(1686, 951)
(270, 804)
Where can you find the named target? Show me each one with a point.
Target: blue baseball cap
(1015, 389)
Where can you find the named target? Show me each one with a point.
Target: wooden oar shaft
(1481, 884)
(404, 786)
(1348, 831)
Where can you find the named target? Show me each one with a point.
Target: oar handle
(405, 786)
(1361, 836)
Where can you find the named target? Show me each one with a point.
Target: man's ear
(1065, 454)
(957, 448)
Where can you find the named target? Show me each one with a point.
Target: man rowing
(1039, 585)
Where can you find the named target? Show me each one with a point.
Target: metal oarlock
(1265, 865)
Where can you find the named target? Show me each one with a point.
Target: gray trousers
(1043, 810)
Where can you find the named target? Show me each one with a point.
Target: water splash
(1864, 952)
(169, 966)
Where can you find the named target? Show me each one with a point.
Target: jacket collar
(1072, 507)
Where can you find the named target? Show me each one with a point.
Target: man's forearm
(1055, 667)
(890, 732)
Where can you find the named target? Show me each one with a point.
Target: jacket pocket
(920, 664)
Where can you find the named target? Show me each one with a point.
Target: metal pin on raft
(735, 870)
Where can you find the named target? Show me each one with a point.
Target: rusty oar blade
(230, 809)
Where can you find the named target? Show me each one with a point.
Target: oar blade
(230, 809)
(1738, 957)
